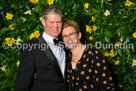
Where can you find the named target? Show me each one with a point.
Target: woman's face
(70, 37)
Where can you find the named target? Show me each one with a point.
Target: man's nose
(55, 25)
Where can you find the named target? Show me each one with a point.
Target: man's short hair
(51, 9)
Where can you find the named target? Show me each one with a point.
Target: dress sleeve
(102, 74)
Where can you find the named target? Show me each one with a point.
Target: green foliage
(119, 26)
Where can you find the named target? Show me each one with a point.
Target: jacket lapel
(66, 58)
(51, 57)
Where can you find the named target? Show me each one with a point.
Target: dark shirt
(91, 73)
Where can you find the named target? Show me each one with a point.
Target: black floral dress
(91, 73)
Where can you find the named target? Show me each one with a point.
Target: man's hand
(35, 75)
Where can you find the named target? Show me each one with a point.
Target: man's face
(53, 24)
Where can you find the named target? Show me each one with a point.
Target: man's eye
(59, 22)
(51, 22)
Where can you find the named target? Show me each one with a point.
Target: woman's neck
(78, 49)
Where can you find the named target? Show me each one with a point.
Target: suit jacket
(40, 60)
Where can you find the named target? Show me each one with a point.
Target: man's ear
(43, 22)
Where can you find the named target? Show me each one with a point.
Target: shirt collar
(48, 38)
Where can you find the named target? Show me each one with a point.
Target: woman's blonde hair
(71, 23)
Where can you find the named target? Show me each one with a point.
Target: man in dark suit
(47, 64)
